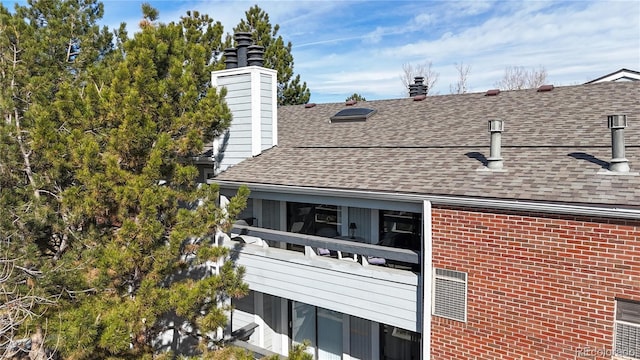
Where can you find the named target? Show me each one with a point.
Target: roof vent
(230, 58)
(255, 55)
(244, 54)
(492, 92)
(351, 102)
(309, 105)
(618, 163)
(494, 161)
(418, 87)
(353, 114)
(243, 40)
(545, 88)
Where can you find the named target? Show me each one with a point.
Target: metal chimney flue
(494, 161)
(230, 58)
(418, 87)
(243, 40)
(255, 55)
(617, 124)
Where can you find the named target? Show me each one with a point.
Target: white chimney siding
(252, 99)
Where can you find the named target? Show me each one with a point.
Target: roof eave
(602, 211)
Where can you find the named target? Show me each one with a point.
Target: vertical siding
(362, 218)
(248, 211)
(271, 214)
(272, 327)
(360, 347)
(266, 114)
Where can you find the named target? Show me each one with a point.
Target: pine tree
(277, 56)
(356, 97)
(98, 199)
(41, 46)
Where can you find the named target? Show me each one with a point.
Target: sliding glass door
(329, 335)
(303, 325)
(321, 327)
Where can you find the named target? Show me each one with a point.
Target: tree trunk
(37, 346)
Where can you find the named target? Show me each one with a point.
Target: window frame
(619, 320)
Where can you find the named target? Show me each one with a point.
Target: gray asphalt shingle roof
(555, 146)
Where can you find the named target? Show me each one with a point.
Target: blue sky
(342, 47)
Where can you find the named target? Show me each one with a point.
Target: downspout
(427, 280)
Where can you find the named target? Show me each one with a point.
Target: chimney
(252, 97)
(243, 40)
(494, 161)
(255, 55)
(618, 163)
(231, 58)
(418, 87)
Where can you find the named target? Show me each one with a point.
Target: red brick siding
(539, 287)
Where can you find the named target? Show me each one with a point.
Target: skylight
(352, 114)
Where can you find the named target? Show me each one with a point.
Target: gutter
(472, 202)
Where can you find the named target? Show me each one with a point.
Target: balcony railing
(388, 294)
(362, 253)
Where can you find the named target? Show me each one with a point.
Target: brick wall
(539, 286)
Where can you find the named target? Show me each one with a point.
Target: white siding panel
(244, 127)
(380, 294)
(266, 113)
(236, 91)
(265, 79)
(235, 81)
(250, 97)
(237, 101)
(233, 157)
(238, 146)
(266, 140)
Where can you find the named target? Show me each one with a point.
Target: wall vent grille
(450, 294)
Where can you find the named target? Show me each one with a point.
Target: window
(450, 294)
(627, 329)
(400, 229)
(399, 344)
(312, 219)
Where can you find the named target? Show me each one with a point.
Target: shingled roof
(555, 146)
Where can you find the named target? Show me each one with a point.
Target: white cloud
(345, 47)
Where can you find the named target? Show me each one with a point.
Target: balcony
(348, 282)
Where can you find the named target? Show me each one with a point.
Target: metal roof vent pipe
(243, 40)
(255, 55)
(619, 162)
(494, 161)
(230, 58)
